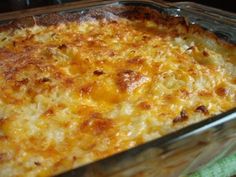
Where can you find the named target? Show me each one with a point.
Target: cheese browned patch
(77, 91)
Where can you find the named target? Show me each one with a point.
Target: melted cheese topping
(77, 92)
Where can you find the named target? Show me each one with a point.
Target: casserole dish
(174, 154)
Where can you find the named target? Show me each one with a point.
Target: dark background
(11, 5)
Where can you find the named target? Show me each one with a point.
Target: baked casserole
(75, 88)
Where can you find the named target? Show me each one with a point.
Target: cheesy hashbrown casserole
(76, 88)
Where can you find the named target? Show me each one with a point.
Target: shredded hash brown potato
(76, 91)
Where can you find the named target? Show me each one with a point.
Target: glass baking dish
(179, 153)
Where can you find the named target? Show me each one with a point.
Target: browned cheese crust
(78, 87)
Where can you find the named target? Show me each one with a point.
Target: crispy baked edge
(111, 13)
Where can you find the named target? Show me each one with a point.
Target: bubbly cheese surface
(76, 92)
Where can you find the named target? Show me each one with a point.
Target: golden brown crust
(111, 14)
(79, 87)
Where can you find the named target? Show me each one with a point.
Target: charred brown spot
(182, 117)
(53, 34)
(202, 109)
(96, 125)
(68, 81)
(30, 37)
(184, 93)
(62, 46)
(111, 54)
(49, 112)
(98, 72)
(22, 82)
(192, 71)
(37, 163)
(74, 158)
(14, 43)
(221, 91)
(183, 114)
(113, 22)
(3, 39)
(86, 89)
(144, 105)
(146, 37)
(129, 80)
(45, 79)
(190, 48)
(205, 93)
(205, 53)
(101, 125)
